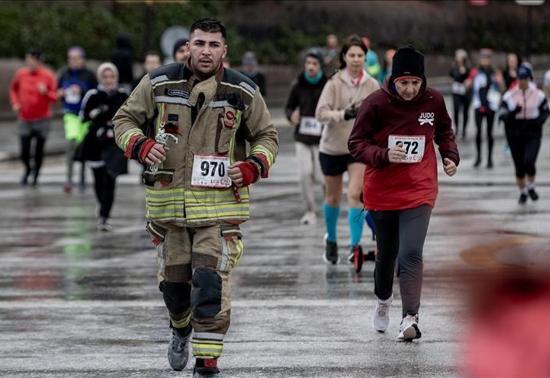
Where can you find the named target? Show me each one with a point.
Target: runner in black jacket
(99, 148)
(300, 111)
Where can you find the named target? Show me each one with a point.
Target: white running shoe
(309, 218)
(381, 317)
(409, 330)
(104, 225)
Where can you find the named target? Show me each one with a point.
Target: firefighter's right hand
(156, 155)
(152, 153)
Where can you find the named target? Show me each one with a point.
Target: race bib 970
(414, 146)
(310, 126)
(211, 172)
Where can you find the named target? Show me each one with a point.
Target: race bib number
(414, 146)
(211, 172)
(310, 126)
(72, 95)
(458, 88)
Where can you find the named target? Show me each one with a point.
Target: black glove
(350, 113)
(517, 110)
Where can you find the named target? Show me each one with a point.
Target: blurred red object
(510, 327)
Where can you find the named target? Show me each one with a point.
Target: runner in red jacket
(394, 135)
(32, 92)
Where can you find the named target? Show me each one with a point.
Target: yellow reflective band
(209, 349)
(162, 193)
(215, 206)
(165, 208)
(182, 323)
(196, 205)
(191, 196)
(232, 158)
(207, 354)
(124, 138)
(216, 195)
(213, 214)
(265, 152)
(217, 215)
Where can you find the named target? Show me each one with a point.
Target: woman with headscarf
(99, 148)
(337, 108)
(394, 135)
(525, 111)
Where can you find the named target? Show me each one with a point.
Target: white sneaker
(309, 218)
(409, 330)
(104, 225)
(381, 316)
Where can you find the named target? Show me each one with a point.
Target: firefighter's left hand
(235, 175)
(242, 173)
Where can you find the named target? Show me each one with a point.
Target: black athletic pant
(524, 145)
(104, 186)
(400, 234)
(461, 103)
(489, 117)
(26, 144)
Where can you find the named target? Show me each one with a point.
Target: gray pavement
(76, 302)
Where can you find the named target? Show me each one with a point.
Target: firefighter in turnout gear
(197, 182)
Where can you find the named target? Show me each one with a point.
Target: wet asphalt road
(77, 302)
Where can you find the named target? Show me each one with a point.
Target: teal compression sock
(331, 220)
(356, 222)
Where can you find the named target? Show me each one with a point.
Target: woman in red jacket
(394, 135)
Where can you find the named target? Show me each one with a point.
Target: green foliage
(94, 25)
(56, 25)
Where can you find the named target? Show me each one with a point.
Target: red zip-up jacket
(24, 92)
(398, 186)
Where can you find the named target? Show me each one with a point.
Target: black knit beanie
(407, 61)
(177, 45)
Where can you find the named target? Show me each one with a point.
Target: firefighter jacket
(217, 121)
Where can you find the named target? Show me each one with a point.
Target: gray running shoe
(178, 350)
